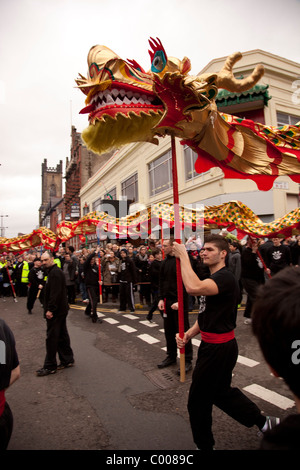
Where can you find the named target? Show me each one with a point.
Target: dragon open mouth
(116, 113)
(125, 100)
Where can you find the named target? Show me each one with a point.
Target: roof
(256, 93)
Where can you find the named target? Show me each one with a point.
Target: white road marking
(270, 396)
(112, 321)
(246, 361)
(148, 339)
(149, 324)
(127, 328)
(196, 342)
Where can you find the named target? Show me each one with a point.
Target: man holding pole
(168, 301)
(36, 284)
(218, 351)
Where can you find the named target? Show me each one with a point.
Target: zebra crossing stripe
(127, 328)
(131, 317)
(112, 321)
(268, 395)
(148, 339)
(147, 323)
(246, 361)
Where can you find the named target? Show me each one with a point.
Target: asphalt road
(115, 398)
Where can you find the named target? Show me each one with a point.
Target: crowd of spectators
(253, 261)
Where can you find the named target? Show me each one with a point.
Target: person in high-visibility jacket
(21, 272)
(2, 265)
(58, 262)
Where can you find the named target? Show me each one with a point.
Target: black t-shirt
(36, 276)
(217, 313)
(8, 354)
(279, 257)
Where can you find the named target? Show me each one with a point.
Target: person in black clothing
(263, 248)
(70, 269)
(56, 310)
(21, 268)
(276, 325)
(91, 279)
(168, 302)
(278, 256)
(127, 278)
(142, 266)
(8, 274)
(295, 251)
(36, 283)
(218, 351)
(252, 275)
(235, 265)
(154, 280)
(9, 373)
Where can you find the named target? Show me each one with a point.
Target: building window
(111, 194)
(129, 188)
(86, 209)
(190, 158)
(286, 119)
(160, 174)
(97, 204)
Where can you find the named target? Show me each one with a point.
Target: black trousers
(31, 297)
(21, 289)
(171, 329)
(211, 385)
(71, 292)
(250, 286)
(6, 427)
(91, 308)
(126, 296)
(154, 305)
(57, 342)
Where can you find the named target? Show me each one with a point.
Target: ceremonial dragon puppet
(126, 104)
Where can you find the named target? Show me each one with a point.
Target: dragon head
(127, 104)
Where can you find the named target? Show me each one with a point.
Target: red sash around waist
(2, 401)
(217, 338)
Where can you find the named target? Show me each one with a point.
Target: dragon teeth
(119, 97)
(115, 92)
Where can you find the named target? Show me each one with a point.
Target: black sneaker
(271, 423)
(166, 362)
(42, 372)
(65, 366)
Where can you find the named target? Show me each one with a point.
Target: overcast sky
(44, 45)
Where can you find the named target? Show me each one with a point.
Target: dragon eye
(159, 62)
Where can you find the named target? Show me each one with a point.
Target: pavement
(86, 407)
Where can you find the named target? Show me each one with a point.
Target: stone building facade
(51, 190)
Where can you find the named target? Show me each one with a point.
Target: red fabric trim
(217, 338)
(2, 401)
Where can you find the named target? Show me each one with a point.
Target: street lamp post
(2, 228)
